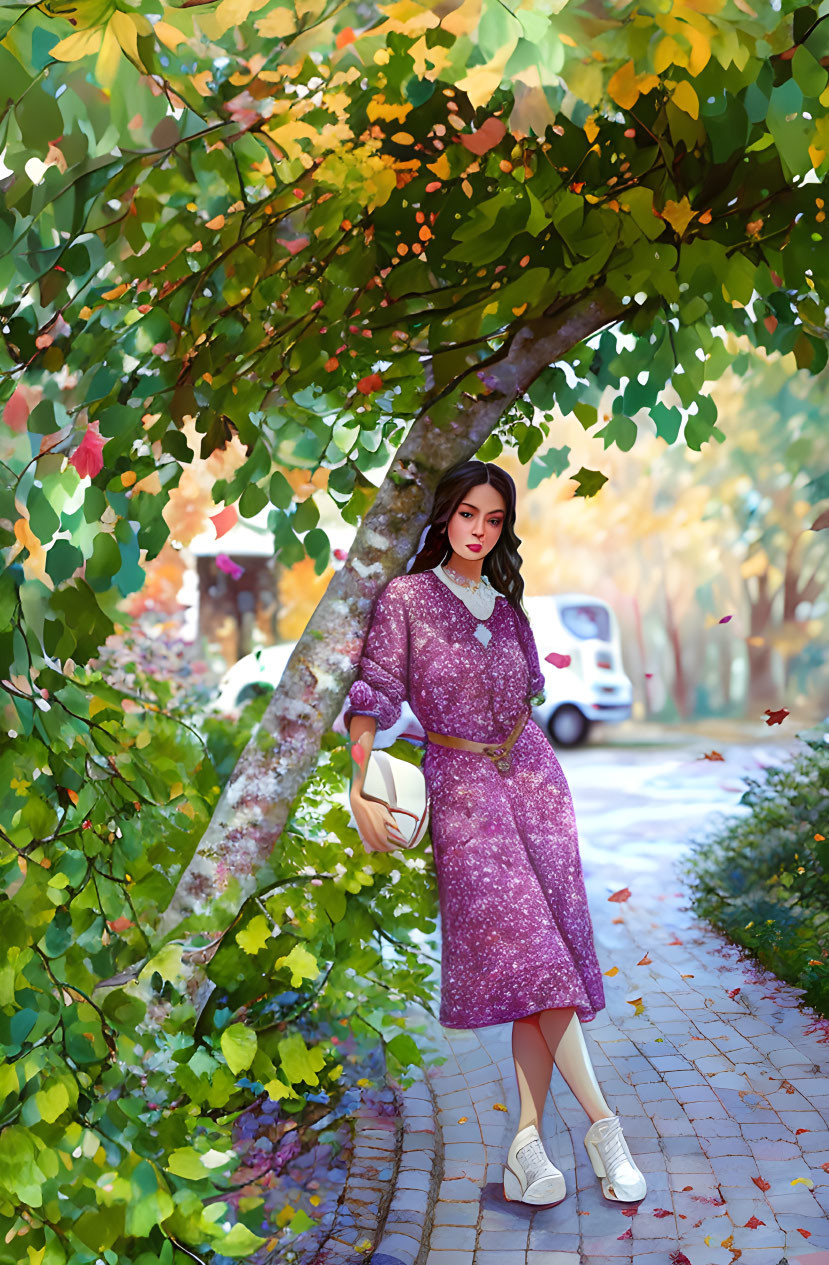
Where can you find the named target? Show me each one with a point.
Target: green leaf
(239, 1045)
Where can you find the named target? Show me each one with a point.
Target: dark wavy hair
(503, 562)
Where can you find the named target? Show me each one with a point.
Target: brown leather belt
(498, 752)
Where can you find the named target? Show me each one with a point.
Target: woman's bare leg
(562, 1032)
(533, 1069)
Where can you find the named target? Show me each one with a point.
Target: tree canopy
(341, 232)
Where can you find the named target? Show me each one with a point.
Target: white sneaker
(613, 1162)
(530, 1176)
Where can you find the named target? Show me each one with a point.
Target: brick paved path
(724, 1099)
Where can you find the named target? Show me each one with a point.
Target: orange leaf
(489, 134)
(761, 1183)
(676, 940)
(622, 894)
(224, 520)
(345, 36)
(807, 1234)
(614, 970)
(372, 382)
(645, 961)
(713, 755)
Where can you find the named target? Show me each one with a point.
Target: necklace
(472, 585)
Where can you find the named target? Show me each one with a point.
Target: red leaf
(622, 894)
(224, 520)
(776, 718)
(807, 1234)
(761, 1183)
(732, 993)
(801, 1131)
(345, 36)
(87, 458)
(676, 940)
(679, 1258)
(628, 1234)
(662, 1212)
(120, 924)
(488, 135)
(557, 660)
(373, 382)
(16, 412)
(753, 1223)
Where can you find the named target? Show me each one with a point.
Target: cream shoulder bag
(388, 781)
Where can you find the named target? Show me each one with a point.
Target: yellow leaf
(678, 215)
(668, 53)
(625, 87)
(276, 24)
(614, 970)
(498, 1106)
(116, 293)
(807, 1181)
(591, 129)
(686, 99)
(109, 58)
(303, 964)
(255, 935)
(169, 35)
(568, 40)
(79, 44)
(482, 81)
(126, 33)
(276, 1090)
(440, 167)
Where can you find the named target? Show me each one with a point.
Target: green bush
(763, 878)
(117, 1103)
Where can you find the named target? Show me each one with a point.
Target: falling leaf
(557, 660)
(622, 894)
(712, 755)
(776, 718)
(231, 568)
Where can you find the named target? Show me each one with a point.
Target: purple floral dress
(515, 925)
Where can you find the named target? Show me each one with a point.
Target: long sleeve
(381, 686)
(525, 636)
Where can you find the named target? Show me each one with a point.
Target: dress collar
(481, 603)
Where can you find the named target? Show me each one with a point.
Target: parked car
(594, 685)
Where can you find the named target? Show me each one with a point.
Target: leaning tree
(345, 233)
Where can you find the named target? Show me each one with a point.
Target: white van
(594, 685)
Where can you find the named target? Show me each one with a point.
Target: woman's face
(476, 524)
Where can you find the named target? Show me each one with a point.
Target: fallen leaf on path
(622, 894)
(676, 940)
(801, 1131)
(807, 1181)
(732, 993)
(618, 920)
(628, 1234)
(753, 1223)
(629, 1212)
(637, 1005)
(661, 1212)
(712, 755)
(761, 1183)
(807, 1234)
(614, 970)
(498, 1106)
(463, 1119)
(686, 977)
(645, 961)
(679, 1258)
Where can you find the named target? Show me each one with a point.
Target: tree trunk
(257, 798)
(761, 684)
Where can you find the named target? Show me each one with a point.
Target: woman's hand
(375, 824)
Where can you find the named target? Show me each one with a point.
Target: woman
(451, 638)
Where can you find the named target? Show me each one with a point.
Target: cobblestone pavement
(719, 1079)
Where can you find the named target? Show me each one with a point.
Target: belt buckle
(500, 758)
